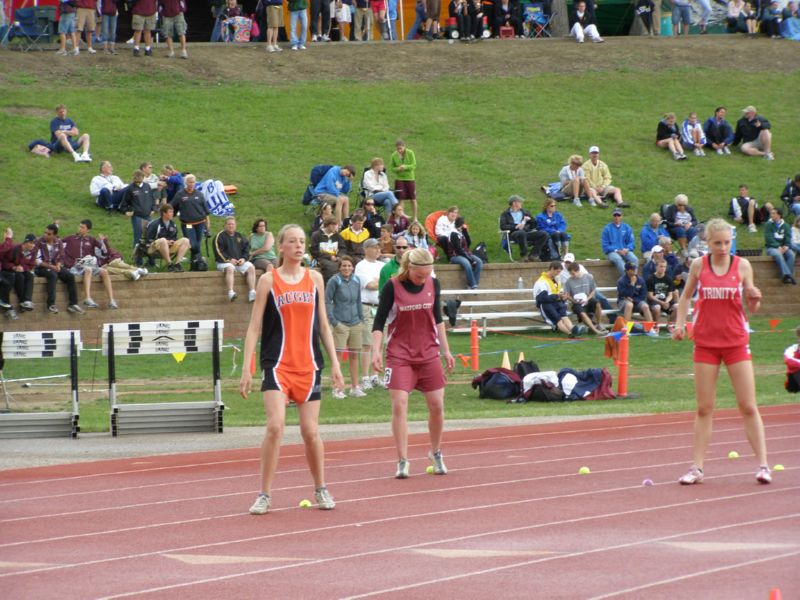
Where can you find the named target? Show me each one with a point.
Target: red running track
(512, 519)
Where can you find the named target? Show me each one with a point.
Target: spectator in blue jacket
(618, 243)
(552, 223)
(719, 133)
(632, 295)
(692, 134)
(648, 236)
(334, 187)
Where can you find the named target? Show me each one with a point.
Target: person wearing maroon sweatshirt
(111, 261)
(50, 265)
(6, 279)
(144, 15)
(19, 262)
(109, 13)
(173, 23)
(80, 257)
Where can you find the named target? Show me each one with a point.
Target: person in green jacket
(391, 268)
(777, 236)
(404, 166)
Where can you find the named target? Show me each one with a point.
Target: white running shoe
(251, 296)
(92, 51)
(438, 462)
(720, 151)
(85, 157)
(695, 475)
(89, 303)
(403, 467)
(366, 383)
(134, 275)
(357, 392)
(75, 309)
(763, 475)
(76, 157)
(769, 156)
(752, 228)
(377, 381)
(577, 202)
(726, 150)
(324, 499)
(261, 505)
(112, 304)
(339, 394)
(232, 295)
(698, 152)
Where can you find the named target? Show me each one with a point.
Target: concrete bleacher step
(39, 425)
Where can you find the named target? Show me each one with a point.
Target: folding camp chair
(28, 29)
(310, 201)
(536, 21)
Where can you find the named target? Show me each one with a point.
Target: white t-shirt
(366, 272)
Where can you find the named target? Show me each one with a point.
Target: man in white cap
(754, 132)
(599, 178)
(564, 275)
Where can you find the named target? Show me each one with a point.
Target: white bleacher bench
(42, 344)
(471, 310)
(164, 337)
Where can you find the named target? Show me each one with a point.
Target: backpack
(524, 367)
(199, 263)
(480, 252)
(497, 384)
(544, 392)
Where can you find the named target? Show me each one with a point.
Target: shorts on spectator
(242, 268)
(377, 5)
(274, 16)
(343, 14)
(682, 14)
(366, 325)
(152, 249)
(67, 23)
(144, 23)
(86, 19)
(406, 190)
(664, 311)
(607, 191)
(433, 7)
(173, 26)
(348, 336)
(637, 307)
(79, 271)
(57, 147)
(425, 377)
(756, 143)
(589, 307)
(714, 356)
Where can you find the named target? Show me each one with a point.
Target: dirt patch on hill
(410, 61)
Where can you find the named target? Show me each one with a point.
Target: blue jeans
(706, 12)
(784, 261)
(294, 16)
(216, 33)
(388, 199)
(109, 28)
(110, 200)
(472, 271)
(619, 261)
(795, 208)
(137, 224)
(412, 33)
(195, 235)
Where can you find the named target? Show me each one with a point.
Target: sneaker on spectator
(338, 394)
(184, 54)
(11, 314)
(251, 296)
(681, 156)
(357, 392)
(75, 309)
(695, 475)
(302, 47)
(598, 40)
(769, 156)
(314, 38)
(148, 52)
(232, 295)
(763, 475)
(726, 150)
(137, 52)
(720, 151)
(27, 305)
(278, 48)
(85, 157)
(171, 55)
(76, 157)
(377, 381)
(270, 48)
(178, 267)
(293, 48)
(143, 272)
(4, 305)
(577, 202)
(261, 505)
(324, 499)
(366, 383)
(133, 275)
(53, 309)
(652, 333)
(438, 462)
(698, 152)
(752, 228)
(89, 303)
(61, 53)
(76, 51)
(403, 467)
(592, 202)
(92, 51)
(112, 304)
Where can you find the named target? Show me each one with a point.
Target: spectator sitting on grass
(574, 183)
(791, 195)
(582, 22)
(692, 135)
(550, 300)
(107, 189)
(719, 133)
(231, 253)
(62, 130)
(744, 209)
(755, 134)
(599, 178)
(161, 237)
(668, 136)
(81, 259)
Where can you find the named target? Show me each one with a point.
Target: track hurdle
(165, 337)
(41, 344)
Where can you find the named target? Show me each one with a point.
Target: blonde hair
(576, 159)
(681, 199)
(421, 228)
(668, 116)
(418, 257)
(282, 234)
(376, 161)
(715, 225)
(547, 203)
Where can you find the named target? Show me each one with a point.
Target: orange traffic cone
(775, 594)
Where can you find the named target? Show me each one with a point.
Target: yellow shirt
(597, 175)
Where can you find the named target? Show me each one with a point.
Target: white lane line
(480, 440)
(738, 565)
(360, 555)
(581, 553)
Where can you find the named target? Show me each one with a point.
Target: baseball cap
(594, 149)
(30, 238)
(569, 257)
(515, 198)
(616, 212)
(748, 109)
(370, 242)
(656, 248)
(631, 266)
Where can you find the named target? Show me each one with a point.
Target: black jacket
(507, 221)
(747, 131)
(228, 246)
(138, 199)
(157, 229)
(672, 210)
(190, 208)
(586, 20)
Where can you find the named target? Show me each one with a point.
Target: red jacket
(171, 8)
(44, 254)
(106, 253)
(76, 247)
(19, 257)
(86, 4)
(5, 248)
(145, 8)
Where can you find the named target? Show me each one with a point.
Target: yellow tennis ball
(584, 471)
(429, 470)
(733, 454)
(305, 503)
(777, 468)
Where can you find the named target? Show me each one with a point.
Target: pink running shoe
(763, 475)
(695, 475)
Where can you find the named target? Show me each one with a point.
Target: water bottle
(520, 284)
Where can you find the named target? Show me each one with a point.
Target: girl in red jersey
(289, 315)
(723, 284)
(410, 304)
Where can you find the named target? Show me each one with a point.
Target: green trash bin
(666, 23)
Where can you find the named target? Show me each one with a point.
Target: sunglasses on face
(369, 204)
(401, 247)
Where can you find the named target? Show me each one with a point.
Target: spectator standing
(66, 27)
(368, 272)
(755, 134)
(232, 253)
(599, 177)
(334, 187)
(791, 195)
(681, 222)
(138, 204)
(668, 136)
(649, 234)
(420, 16)
(298, 23)
(80, 257)
(460, 253)
(144, 16)
(161, 236)
(376, 185)
(777, 239)
(274, 22)
(320, 20)
(392, 266)
(522, 230)
(363, 24)
(582, 23)
(719, 133)
(343, 305)
(681, 15)
(50, 265)
(190, 206)
(86, 23)
(106, 188)
(433, 9)
(553, 224)
(173, 22)
(218, 13)
(618, 243)
(692, 134)
(262, 246)
(403, 166)
(109, 12)
(62, 130)
(326, 245)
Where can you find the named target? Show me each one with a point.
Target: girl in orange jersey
(289, 315)
(723, 284)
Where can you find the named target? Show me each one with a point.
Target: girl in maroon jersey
(410, 304)
(723, 284)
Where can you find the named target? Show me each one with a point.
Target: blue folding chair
(28, 29)
(536, 21)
